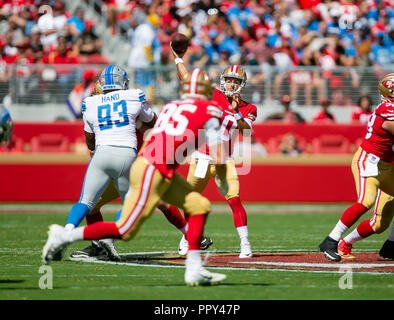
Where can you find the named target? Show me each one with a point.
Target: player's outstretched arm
(180, 64)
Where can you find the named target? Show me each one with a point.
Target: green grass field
(271, 228)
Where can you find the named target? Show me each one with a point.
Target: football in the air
(179, 43)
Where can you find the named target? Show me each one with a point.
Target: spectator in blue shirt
(380, 54)
(76, 22)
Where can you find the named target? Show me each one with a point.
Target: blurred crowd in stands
(45, 32)
(274, 35)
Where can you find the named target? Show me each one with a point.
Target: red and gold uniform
(229, 133)
(373, 172)
(372, 164)
(153, 176)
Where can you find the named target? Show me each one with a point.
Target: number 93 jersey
(112, 116)
(377, 140)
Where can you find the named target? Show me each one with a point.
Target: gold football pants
(147, 187)
(226, 172)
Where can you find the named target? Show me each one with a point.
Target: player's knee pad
(195, 203)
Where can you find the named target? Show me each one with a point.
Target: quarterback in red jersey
(238, 116)
(153, 177)
(372, 170)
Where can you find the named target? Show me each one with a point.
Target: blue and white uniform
(111, 117)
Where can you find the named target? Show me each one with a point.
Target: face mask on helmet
(386, 87)
(228, 80)
(114, 77)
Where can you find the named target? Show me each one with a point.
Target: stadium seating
(50, 142)
(334, 144)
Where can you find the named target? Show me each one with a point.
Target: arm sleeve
(212, 131)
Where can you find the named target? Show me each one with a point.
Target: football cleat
(59, 255)
(55, 244)
(108, 246)
(89, 252)
(183, 246)
(329, 247)
(345, 250)
(202, 277)
(387, 250)
(206, 243)
(246, 251)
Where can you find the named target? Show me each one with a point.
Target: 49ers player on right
(372, 170)
(238, 115)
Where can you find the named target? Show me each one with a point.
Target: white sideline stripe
(336, 265)
(226, 268)
(320, 265)
(141, 202)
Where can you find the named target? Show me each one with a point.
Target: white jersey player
(110, 131)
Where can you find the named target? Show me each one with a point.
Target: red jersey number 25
(172, 121)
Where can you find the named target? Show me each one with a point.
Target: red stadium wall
(265, 183)
(25, 177)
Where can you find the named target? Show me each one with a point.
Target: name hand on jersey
(110, 98)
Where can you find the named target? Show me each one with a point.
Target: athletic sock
(101, 230)
(365, 229)
(243, 234)
(348, 218)
(338, 231)
(239, 213)
(195, 231)
(75, 234)
(353, 237)
(118, 215)
(174, 216)
(352, 214)
(69, 226)
(77, 213)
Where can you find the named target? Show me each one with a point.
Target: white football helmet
(114, 77)
(236, 72)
